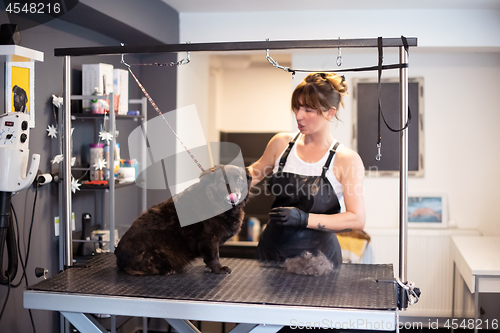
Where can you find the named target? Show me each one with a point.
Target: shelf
(20, 51)
(101, 115)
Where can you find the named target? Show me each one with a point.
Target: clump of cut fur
(308, 264)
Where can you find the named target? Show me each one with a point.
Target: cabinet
(102, 192)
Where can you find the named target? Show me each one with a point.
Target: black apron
(312, 194)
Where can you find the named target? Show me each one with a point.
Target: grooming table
(259, 296)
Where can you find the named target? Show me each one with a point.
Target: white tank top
(294, 164)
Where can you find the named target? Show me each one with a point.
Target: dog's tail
(309, 264)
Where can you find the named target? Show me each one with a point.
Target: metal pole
(403, 175)
(111, 181)
(233, 46)
(65, 221)
(144, 200)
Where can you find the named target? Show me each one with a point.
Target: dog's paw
(222, 270)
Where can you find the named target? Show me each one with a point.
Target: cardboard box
(94, 76)
(120, 89)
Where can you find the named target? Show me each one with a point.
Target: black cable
(8, 238)
(31, 228)
(28, 251)
(18, 248)
(24, 264)
(6, 299)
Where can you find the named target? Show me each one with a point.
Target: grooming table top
(352, 286)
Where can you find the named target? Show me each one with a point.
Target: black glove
(289, 216)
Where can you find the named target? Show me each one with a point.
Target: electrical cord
(18, 248)
(6, 299)
(24, 264)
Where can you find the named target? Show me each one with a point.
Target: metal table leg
(266, 328)
(84, 323)
(182, 326)
(453, 295)
(476, 302)
(243, 328)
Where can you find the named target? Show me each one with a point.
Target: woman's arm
(350, 171)
(265, 164)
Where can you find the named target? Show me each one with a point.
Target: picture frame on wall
(20, 88)
(365, 130)
(426, 210)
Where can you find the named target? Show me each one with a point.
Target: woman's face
(310, 121)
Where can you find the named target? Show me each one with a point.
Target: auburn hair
(320, 91)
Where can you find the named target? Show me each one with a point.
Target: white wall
(461, 117)
(434, 28)
(254, 100)
(458, 57)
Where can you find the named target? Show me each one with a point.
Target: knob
(40, 271)
(24, 137)
(24, 125)
(9, 136)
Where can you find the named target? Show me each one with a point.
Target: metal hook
(275, 63)
(123, 60)
(379, 155)
(185, 61)
(339, 57)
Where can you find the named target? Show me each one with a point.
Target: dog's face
(218, 191)
(20, 99)
(226, 184)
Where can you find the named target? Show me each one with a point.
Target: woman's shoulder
(281, 139)
(347, 156)
(347, 164)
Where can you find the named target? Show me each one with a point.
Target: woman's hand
(289, 216)
(265, 164)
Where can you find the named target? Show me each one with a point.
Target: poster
(19, 88)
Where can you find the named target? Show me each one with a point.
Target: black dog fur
(156, 244)
(20, 99)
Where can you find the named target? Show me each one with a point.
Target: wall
(44, 245)
(455, 60)
(458, 55)
(253, 99)
(434, 28)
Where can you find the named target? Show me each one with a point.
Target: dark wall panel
(48, 80)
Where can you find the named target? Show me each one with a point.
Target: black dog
(157, 244)
(20, 99)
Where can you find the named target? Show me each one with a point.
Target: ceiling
(204, 6)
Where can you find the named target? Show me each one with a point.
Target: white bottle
(253, 229)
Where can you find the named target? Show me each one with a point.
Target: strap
(227, 184)
(329, 159)
(358, 69)
(379, 86)
(405, 43)
(161, 114)
(286, 153)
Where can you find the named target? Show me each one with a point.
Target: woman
(312, 173)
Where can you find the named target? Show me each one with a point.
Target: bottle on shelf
(96, 154)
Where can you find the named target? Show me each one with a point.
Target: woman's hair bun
(320, 91)
(337, 82)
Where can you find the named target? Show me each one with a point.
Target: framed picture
(427, 211)
(20, 88)
(365, 130)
